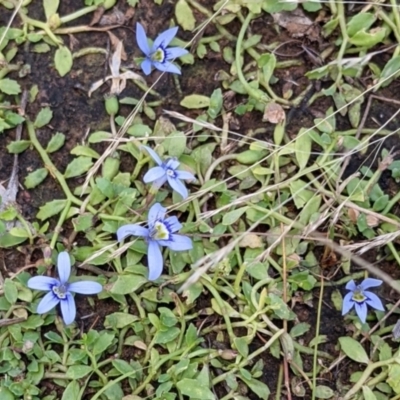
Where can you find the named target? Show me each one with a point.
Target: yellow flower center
(158, 55)
(358, 296)
(160, 231)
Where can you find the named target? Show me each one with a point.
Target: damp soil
(75, 113)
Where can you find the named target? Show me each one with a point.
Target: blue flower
(360, 298)
(60, 290)
(160, 232)
(167, 171)
(158, 55)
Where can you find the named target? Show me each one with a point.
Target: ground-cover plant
(289, 179)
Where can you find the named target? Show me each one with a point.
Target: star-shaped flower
(359, 297)
(167, 171)
(160, 232)
(60, 290)
(158, 55)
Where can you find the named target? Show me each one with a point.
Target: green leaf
(99, 136)
(389, 71)
(353, 349)
(368, 393)
(18, 146)
(10, 291)
(192, 389)
(216, 102)
(303, 148)
(78, 166)
(19, 232)
(242, 346)
(368, 39)
(360, 21)
(56, 142)
(43, 118)
(5, 394)
(102, 343)
(259, 388)
(300, 329)
(267, 63)
(126, 284)
(323, 392)
(175, 143)
(51, 208)
(63, 60)
(9, 86)
(119, 320)
(195, 101)
(394, 377)
(232, 216)
(184, 15)
(71, 391)
(85, 151)
(78, 371)
(35, 178)
(50, 7)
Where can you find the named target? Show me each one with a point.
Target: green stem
(77, 14)
(314, 381)
(41, 25)
(366, 374)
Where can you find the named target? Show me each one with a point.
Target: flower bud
(112, 105)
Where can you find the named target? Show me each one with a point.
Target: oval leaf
(35, 178)
(303, 148)
(195, 101)
(63, 60)
(184, 15)
(353, 350)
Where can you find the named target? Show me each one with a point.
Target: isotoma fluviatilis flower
(160, 232)
(360, 297)
(167, 171)
(60, 291)
(158, 55)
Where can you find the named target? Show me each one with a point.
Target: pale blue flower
(158, 55)
(359, 297)
(167, 171)
(60, 290)
(160, 232)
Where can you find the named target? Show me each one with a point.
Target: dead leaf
(115, 17)
(251, 240)
(274, 113)
(295, 22)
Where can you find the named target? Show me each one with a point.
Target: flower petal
(141, 39)
(152, 154)
(68, 309)
(155, 260)
(85, 287)
(351, 286)
(164, 38)
(178, 186)
(177, 243)
(348, 303)
(370, 282)
(64, 266)
(175, 52)
(172, 163)
(173, 224)
(185, 175)
(156, 212)
(153, 174)
(373, 301)
(159, 182)
(131, 230)
(146, 66)
(47, 303)
(42, 283)
(361, 310)
(167, 67)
